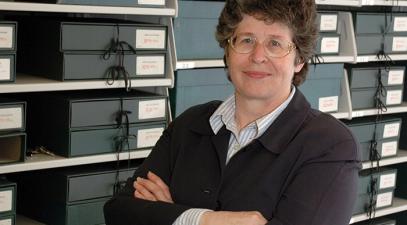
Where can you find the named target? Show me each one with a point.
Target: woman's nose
(258, 55)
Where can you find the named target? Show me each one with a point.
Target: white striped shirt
(225, 116)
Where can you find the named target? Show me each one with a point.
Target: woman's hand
(232, 218)
(152, 189)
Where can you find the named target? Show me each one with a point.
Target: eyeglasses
(274, 47)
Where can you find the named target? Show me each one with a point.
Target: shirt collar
(225, 114)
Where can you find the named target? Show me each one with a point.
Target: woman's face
(255, 75)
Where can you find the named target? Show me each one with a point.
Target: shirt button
(236, 147)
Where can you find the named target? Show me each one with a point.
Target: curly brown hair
(298, 15)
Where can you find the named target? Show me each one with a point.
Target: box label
(150, 39)
(328, 22)
(395, 77)
(150, 65)
(391, 130)
(6, 222)
(328, 104)
(394, 97)
(399, 44)
(151, 109)
(5, 73)
(330, 45)
(11, 118)
(6, 37)
(389, 148)
(151, 2)
(387, 181)
(384, 199)
(400, 23)
(148, 137)
(6, 200)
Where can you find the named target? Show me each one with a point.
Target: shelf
(41, 161)
(63, 8)
(29, 83)
(400, 158)
(384, 3)
(373, 58)
(339, 3)
(22, 220)
(398, 206)
(191, 64)
(338, 59)
(340, 115)
(371, 112)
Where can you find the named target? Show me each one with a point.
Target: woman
(263, 156)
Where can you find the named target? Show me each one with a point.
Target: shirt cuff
(190, 217)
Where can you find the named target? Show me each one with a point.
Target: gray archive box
(7, 67)
(372, 43)
(92, 66)
(363, 98)
(327, 21)
(8, 36)
(77, 51)
(387, 136)
(368, 76)
(8, 197)
(194, 30)
(125, 3)
(69, 196)
(9, 219)
(379, 221)
(380, 200)
(12, 115)
(384, 179)
(322, 87)
(379, 23)
(12, 147)
(198, 86)
(328, 44)
(94, 36)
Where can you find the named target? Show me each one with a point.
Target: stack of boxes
(366, 80)
(96, 122)
(8, 47)
(194, 31)
(92, 50)
(375, 190)
(73, 196)
(323, 85)
(378, 33)
(7, 202)
(12, 131)
(329, 40)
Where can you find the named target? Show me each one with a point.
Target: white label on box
(11, 118)
(389, 148)
(151, 109)
(328, 104)
(358, 114)
(399, 44)
(396, 77)
(148, 137)
(150, 65)
(394, 97)
(328, 22)
(150, 39)
(384, 199)
(330, 45)
(151, 2)
(391, 130)
(400, 23)
(6, 201)
(6, 37)
(5, 73)
(387, 181)
(6, 222)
